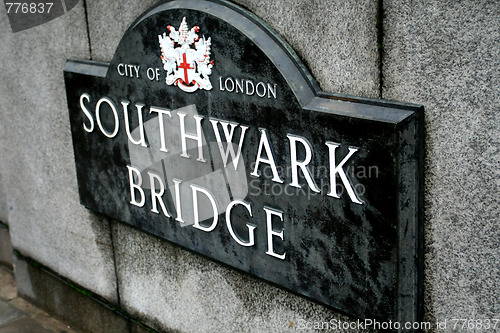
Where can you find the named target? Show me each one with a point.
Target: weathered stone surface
(171, 288)
(4, 207)
(23, 324)
(8, 287)
(46, 220)
(8, 313)
(108, 21)
(66, 301)
(336, 39)
(5, 247)
(445, 55)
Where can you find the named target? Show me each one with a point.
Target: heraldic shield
(186, 58)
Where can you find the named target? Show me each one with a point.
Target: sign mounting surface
(206, 130)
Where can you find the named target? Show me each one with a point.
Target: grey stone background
(442, 54)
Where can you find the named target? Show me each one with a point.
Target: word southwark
(230, 146)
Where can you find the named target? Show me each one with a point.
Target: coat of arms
(186, 58)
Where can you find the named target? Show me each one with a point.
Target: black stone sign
(317, 193)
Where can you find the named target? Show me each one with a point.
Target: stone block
(46, 220)
(66, 301)
(8, 313)
(445, 55)
(5, 247)
(139, 328)
(4, 206)
(23, 324)
(171, 289)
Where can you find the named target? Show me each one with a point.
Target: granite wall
(442, 54)
(446, 55)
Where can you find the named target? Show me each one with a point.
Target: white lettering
(87, 113)
(302, 165)
(161, 112)
(198, 137)
(178, 207)
(135, 186)
(239, 85)
(230, 80)
(142, 140)
(115, 114)
(136, 68)
(251, 228)
(229, 139)
(242, 86)
(220, 84)
(156, 197)
(271, 90)
(260, 84)
(249, 84)
(269, 160)
(121, 73)
(271, 232)
(195, 190)
(153, 74)
(334, 169)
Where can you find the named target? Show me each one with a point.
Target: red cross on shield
(186, 66)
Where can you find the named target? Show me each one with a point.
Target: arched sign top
(298, 77)
(207, 130)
